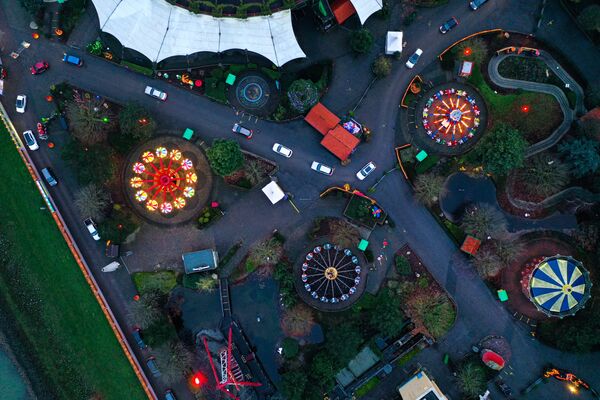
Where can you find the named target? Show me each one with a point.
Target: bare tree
(298, 321)
(343, 233)
(544, 175)
(488, 264)
(146, 310)
(174, 361)
(90, 119)
(484, 220)
(92, 201)
(429, 188)
(507, 250)
(206, 284)
(266, 252)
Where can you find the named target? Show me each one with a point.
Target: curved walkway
(569, 114)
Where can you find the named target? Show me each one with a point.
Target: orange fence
(467, 38)
(397, 150)
(417, 77)
(62, 227)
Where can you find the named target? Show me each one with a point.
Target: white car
(280, 149)
(91, 227)
(157, 94)
(412, 60)
(366, 170)
(21, 103)
(324, 169)
(30, 140)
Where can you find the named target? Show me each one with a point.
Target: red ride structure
(231, 374)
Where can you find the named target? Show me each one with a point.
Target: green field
(59, 324)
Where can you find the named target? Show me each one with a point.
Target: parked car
(169, 395)
(237, 128)
(448, 25)
(366, 170)
(412, 60)
(30, 140)
(280, 149)
(39, 67)
(21, 103)
(157, 94)
(324, 169)
(49, 177)
(91, 227)
(151, 363)
(71, 59)
(137, 336)
(475, 4)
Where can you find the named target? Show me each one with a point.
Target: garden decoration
(559, 286)
(252, 91)
(330, 273)
(164, 179)
(451, 117)
(376, 211)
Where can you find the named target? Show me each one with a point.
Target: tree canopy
(93, 164)
(474, 49)
(387, 317)
(544, 175)
(382, 66)
(582, 155)
(589, 18)
(225, 156)
(361, 41)
(501, 150)
(136, 125)
(303, 94)
(428, 188)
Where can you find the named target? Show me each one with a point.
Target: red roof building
(470, 245)
(342, 10)
(340, 142)
(320, 118)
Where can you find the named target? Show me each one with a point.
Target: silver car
(157, 94)
(322, 168)
(281, 149)
(366, 170)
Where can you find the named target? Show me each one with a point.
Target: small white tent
(273, 192)
(393, 43)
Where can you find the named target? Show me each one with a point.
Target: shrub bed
(161, 281)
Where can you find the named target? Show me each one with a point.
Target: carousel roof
(559, 286)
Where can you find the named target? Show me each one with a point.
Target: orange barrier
(408, 88)
(467, 38)
(397, 150)
(78, 257)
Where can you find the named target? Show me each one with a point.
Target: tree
(507, 250)
(293, 384)
(474, 50)
(323, 370)
(135, 125)
(544, 175)
(225, 156)
(146, 310)
(589, 18)
(429, 188)
(501, 150)
(174, 361)
(361, 41)
(387, 316)
(266, 252)
(487, 263)
(92, 201)
(298, 321)
(206, 283)
(592, 95)
(90, 120)
(482, 220)
(582, 155)
(93, 164)
(590, 128)
(471, 379)
(303, 94)
(343, 233)
(382, 67)
(343, 341)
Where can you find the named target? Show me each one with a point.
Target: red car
(39, 67)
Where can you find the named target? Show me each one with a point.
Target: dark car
(169, 395)
(448, 25)
(475, 4)
(39, 67)
(151, 363)
(71, 59)
(137, 336)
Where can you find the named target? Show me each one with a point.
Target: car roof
(419, 51)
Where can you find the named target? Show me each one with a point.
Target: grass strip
(48, 299)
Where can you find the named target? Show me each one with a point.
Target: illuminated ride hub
(331, 274)
(164, 181)
(451, 117)
(559, 286)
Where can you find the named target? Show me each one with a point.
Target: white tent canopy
(273, 192)
(366, 8)
(393, 42)
(159, 30)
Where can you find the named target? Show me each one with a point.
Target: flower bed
(256, 169)
(364, 212)
(208, 215)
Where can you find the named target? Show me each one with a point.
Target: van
(49, 177)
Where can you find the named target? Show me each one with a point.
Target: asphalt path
(211, 120)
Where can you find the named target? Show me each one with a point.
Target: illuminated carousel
(167, 180)
(331, 277)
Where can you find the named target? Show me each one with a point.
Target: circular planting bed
(254, 92)
(452, 117)
(330, 277)
(167, 180)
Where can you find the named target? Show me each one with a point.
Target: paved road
(379, 111)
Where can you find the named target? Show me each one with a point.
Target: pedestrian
(385, 243)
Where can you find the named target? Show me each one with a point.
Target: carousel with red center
(164, 180)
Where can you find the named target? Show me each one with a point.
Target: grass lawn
(367, 387)
(539, 122)
(58, 319)
(161, 281)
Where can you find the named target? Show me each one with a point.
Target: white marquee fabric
(159, 30)
(366, 8)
